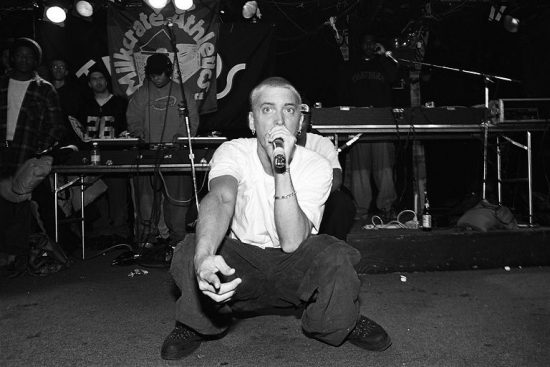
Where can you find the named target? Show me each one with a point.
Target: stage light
(511, 24)
(156, 4)
(183, 4)
(251, 10)
(55, 14)
(84, 8)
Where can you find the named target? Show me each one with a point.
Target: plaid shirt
(39, 125)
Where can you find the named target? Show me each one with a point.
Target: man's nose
(280, 119)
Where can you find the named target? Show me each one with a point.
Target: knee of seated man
(335, 252)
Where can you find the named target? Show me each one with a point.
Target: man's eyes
(290, 110)
(268, 109)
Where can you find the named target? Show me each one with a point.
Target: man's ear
(250, 121)
(301, 126)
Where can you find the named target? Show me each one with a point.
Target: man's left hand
(209, 282)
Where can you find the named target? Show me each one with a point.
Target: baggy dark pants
(319, 275)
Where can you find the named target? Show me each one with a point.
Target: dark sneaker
(367, 334)
(180, 343)
(158, 256)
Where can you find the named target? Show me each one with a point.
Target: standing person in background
(367, 83)
(31, 121)
(107, 113)
(70, 95)
(71, 101)
(339, 208)
(154, 115)
(271, 256)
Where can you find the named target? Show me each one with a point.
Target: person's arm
(52, 128)
(120, 118)
(6, 191)
(293, 226)
(136, 115)
(217, 209)
(336, 179)
(325, 147)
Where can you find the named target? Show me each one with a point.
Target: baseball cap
(30, 43)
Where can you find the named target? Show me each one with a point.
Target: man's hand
(7, 193)
(209, 283)
(379, 49)
(280, 132)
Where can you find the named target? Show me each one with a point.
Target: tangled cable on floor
(378, 222)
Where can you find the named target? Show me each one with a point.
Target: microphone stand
(486, 79)
(184, 110)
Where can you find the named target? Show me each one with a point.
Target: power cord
(378, 222)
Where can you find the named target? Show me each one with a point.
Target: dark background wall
(460, 35)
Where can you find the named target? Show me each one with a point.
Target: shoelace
(364, 327)
(181, 332)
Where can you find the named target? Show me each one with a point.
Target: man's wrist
(286, 171)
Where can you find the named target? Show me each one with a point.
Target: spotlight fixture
(183, 4)
(251, 11)
(55, 14)
(84, 8)
(156, 4)
(505, 14)
(510, 23)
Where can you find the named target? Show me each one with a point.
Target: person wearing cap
(105, 117)
(31, 121)
(71, 96)
(154, 115)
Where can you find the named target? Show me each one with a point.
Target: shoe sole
(180, 354)
(382, 346)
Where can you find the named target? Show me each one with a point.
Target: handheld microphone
(279, 159)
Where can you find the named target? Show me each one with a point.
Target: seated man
(271, 257)
(339, 209)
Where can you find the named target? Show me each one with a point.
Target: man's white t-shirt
(324, 147)
(253, 221)
(16, 92)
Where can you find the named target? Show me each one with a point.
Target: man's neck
(58, 83)
(22, 76)
(102, 96)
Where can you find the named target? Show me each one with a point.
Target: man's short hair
(29, 43)
(97, 68)
(275, 81)
(157, 64)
